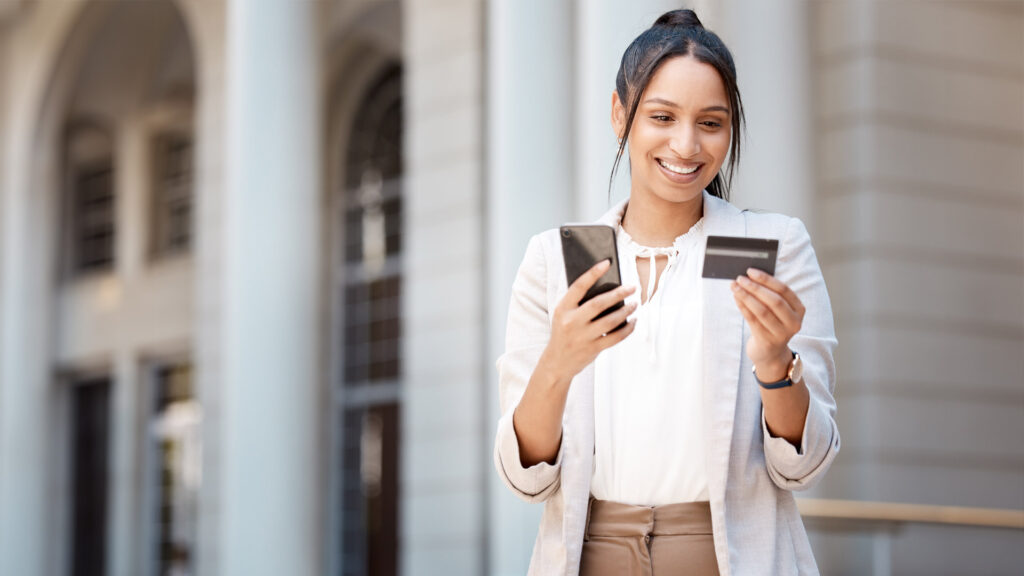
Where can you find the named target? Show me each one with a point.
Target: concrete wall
(444, 431)
(920, 140)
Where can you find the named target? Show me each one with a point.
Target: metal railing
(884, 519)
(899, 512)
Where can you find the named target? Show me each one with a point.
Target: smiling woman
(671, 452)
(652, 71)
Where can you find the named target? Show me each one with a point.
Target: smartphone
(583, 246)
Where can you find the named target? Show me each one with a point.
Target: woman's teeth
(678, 169)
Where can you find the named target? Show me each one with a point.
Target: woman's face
(680, 135)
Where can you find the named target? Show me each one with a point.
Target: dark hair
(678, 33)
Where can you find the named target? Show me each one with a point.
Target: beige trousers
(669, 540)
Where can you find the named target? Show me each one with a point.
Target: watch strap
(786, 380)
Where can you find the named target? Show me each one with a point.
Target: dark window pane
(370, 490)
(393, 216)
(93, 217)
(90, 426)
(372, 331)
(376, 141)
(172, 193)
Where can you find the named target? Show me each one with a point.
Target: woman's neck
(651, 221)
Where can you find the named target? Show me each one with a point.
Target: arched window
(370, 331)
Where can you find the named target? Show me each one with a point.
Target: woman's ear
(618, 115)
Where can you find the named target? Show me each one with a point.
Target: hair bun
(679, 19)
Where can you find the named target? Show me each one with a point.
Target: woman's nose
(685, 141)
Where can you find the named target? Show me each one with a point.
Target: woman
(673, 444)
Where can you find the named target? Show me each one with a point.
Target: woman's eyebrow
(671, 104)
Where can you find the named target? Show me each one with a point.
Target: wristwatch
(794, 374)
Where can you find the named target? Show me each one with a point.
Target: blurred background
(256, 255)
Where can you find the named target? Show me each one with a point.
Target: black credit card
(728, 257)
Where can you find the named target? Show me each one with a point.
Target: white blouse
(649, 444)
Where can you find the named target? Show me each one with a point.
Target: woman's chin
(679, 195)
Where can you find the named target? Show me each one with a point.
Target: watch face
(797, 372)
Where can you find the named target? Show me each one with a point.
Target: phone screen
(583, 246)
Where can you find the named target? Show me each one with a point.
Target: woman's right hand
(576, 338)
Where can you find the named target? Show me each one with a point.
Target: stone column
(270, 338)
(604, 30)
(770, 42)
(529, 189)
(29, 422)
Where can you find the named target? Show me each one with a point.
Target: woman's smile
(678, 172)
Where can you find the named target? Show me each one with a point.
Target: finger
(608, 323)
(602, 302)
(765, 315)
(772, 300)
(756, 327)
(778, 286)
(579, 288)
(617, 336)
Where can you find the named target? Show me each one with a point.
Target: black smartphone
(583, 246)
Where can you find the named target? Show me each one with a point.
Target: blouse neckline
(694, 233)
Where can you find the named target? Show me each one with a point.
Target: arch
(61, 53)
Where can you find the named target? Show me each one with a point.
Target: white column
(530, 183)
(770, 42)
(25, 375)
(27, 418)
(270, 522)
(604, 30)
(131, 155)
(124, 547)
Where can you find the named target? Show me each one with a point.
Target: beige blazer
(751, 475)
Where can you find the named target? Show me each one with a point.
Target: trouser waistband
(606, 518)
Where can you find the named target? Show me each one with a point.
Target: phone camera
(566, 233)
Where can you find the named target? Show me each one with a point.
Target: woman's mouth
(679, 173)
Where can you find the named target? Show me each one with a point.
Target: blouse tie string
(651, 308)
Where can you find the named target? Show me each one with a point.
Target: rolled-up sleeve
(527, 334)
(792, 467)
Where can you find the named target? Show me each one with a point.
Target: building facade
(255, 260)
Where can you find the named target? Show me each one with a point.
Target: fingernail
(754, 273)
(734, 286)
(743, 280)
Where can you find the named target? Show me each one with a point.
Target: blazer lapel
(723, 347)
(578, 445)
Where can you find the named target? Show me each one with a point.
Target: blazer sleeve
(791, 467)
(527, 334)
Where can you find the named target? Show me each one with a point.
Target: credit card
(727, 257)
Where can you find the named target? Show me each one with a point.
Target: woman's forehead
(685, 82)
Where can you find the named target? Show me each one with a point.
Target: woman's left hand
(775, 314)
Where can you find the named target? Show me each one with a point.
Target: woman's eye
(661, 118)
(711, 124)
